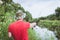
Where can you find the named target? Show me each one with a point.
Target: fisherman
(19, 29)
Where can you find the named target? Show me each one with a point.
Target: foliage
(32, 35)
(57, 12)
(28, 16)
(52, 17)
(42, 18)
(4, 26)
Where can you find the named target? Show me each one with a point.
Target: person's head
(19, 15)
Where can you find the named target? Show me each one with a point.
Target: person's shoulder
(12, 23)
(27, 22)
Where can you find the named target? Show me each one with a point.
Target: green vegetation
(32, 35)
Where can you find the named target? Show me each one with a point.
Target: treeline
(54, 16)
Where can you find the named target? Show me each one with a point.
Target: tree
(28, 16)
(57, 11)
(52, 17)
(7, 1)
(42, 18)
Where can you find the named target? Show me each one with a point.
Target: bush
(32, 35)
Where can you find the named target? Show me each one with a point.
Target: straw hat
(19, 13)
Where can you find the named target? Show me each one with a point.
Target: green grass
(49, 23)
(32, 35)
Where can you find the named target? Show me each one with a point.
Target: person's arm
(9, 31)
(32, 25)
(9, 34)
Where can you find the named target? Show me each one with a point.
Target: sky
(39, 8)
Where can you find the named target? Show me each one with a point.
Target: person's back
(19, 30)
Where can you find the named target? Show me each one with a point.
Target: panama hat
(19, 13)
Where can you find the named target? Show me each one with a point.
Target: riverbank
(53, 25)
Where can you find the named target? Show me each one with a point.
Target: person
(19, 29)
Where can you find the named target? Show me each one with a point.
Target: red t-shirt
(19, 30)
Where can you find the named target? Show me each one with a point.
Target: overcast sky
(39, 8)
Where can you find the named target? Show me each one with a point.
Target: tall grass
(32, 35)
